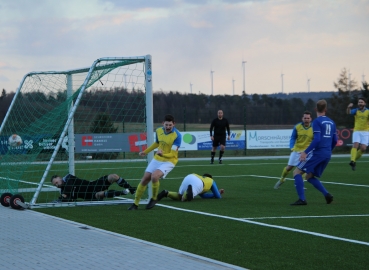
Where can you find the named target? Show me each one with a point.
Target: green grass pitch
(253, 225)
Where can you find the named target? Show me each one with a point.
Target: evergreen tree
(347, 93)
(103, 124)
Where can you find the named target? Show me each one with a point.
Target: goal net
(87, 122)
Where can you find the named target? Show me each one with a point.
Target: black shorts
(219, 140)
(88, 192)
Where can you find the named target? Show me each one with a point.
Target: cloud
(3, 78)
(188, 38)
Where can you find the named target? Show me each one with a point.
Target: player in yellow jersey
(193, 185)
(168, 140)
(360, 137)
(301, 137)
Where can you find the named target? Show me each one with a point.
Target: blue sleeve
(178, 140)
(316, 139)
(353, 111)
(215, 193)
(293, 137)
(156, 136)
(314, 143)
(334, 140)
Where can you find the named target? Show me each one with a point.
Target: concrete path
(33, 240)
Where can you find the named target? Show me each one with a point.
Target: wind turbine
(211, 74)
(282, 81)
(308, 84)
(233, 85)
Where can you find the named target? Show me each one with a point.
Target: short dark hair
(207, 175)
(307, 112)
(52, 177)
(363, 99)
(321, 105)
(169, 118)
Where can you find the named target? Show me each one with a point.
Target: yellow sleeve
(152, 147)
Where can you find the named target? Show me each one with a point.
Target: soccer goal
(88, 122)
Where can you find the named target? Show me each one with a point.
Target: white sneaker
(278, 184)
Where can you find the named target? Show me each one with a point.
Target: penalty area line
(268, 225)
(329, 216)
(333, 183)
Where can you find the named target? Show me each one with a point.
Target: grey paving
(32, 240)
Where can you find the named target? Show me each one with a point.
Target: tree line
(256, 109)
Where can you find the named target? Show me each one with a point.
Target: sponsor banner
(110, 142)
(200, 140)
(136, 142)
(265, 139)
(344, 136)
(43, 141)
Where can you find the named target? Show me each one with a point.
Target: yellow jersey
(169, 143)
(361, 119)
(208, 182)
(301, 137)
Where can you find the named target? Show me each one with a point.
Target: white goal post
(88, 122)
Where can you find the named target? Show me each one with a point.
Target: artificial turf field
(253, 225)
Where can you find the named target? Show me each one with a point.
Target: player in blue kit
(316, 157)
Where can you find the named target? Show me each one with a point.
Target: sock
(174, 196)
(358, 154)
(155, 190)
(221, 154)
(299, 185)
(353, 154)
(140, 190)
(284, 174)
(212, 155)
(318, 185)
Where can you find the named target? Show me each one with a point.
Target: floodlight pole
(211, 75)
(244, 85)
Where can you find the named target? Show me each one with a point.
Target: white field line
(329, 216)
(270, 226)
(31, 183)
(275, 177)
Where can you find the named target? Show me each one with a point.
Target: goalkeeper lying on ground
(72, 187)
(193, 185)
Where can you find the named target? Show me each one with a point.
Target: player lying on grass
(73, 188)
(193, 185)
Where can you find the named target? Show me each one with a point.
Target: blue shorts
(314, 164)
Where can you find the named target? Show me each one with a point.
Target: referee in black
(220, 126)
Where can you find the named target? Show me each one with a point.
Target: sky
(305, 40)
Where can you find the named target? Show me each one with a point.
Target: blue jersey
(325, 137)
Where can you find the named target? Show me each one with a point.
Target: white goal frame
(69, 125)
